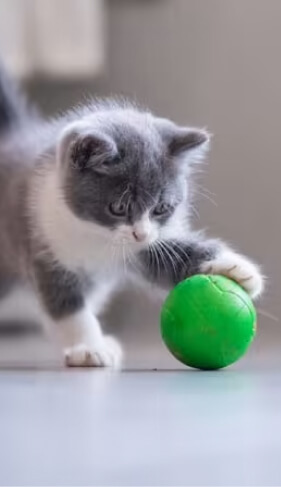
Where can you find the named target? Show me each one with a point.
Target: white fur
(107, 354)
(74, 242)
(177, 227)
(238, 268)
(145, 229)
(99, 297)
(84, 343)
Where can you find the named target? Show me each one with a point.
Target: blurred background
(211, 63)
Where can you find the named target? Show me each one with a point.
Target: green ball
(208, 322)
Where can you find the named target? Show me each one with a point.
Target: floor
(154, 423)
(140, 426)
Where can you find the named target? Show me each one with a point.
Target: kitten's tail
(13, 106)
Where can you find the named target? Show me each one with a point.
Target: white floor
(140, 428)
(171, 426)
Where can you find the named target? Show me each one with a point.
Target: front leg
(65, 297)
(169, 262)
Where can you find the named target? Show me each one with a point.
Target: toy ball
(208, 322)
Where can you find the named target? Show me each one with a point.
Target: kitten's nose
(139, 236)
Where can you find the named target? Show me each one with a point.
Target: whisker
(205, 193)
(194, 211)
(207, 197)
(155, 259)
(124, 259)
(162, 257)
(114, 259)
(266, 314)
(171, 248)
(132, 260)
(168, 255)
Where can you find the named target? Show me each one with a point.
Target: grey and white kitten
(91, 199)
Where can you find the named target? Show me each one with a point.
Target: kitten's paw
(238, 268)
(107, 354)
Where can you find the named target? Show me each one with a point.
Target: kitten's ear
(188, 141)
(84, 150)
(189, 144)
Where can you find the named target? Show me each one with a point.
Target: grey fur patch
(62, 292)
(174, 261)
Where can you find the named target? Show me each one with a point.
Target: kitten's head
(128, 172)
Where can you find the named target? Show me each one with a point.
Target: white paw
(238, 268)
(106, 354)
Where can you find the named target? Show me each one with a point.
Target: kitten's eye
(161, 209)
(117, 209)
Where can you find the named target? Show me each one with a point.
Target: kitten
(94, 198)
